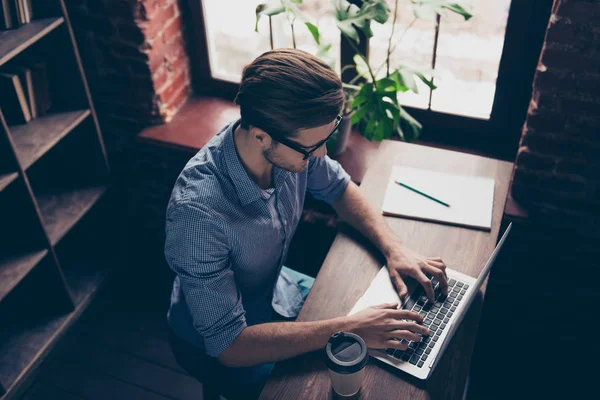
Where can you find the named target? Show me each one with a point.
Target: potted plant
(372, 97)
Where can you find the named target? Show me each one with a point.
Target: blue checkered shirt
(227, 239)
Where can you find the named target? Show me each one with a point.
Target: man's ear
(261, 136)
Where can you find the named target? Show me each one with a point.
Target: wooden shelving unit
(55, 207)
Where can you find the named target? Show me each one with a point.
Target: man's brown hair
(285, 90)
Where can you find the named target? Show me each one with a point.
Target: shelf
(13, 269)
(34, 139)
(61, 211)
(6, 179)
(24, 346)
(14, 41)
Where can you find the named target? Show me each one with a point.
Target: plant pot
(338, 142)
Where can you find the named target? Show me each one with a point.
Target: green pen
(423, 194)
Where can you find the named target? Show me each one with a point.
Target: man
(232, 215)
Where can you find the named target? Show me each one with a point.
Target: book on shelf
(14, 100)
(26, 76)
(8, 16)
(41, 88)
(27, 11)
(15, 13)
(33, 81)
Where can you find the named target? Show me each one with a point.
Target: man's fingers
(436, 259)
(402, 334)
(399, 284)
(392, 306)
(426, 283)
(404, 314)
(438, 264)
(412, 327)
(440, 275)
(394, 344)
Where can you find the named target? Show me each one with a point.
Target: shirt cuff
(220, 341)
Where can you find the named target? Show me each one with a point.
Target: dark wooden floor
(118, 350)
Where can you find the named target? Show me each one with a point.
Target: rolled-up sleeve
(327, 180)
(197, 250)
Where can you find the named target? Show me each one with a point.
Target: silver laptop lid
(471, 296)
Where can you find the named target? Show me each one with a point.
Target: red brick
(568, 185)
(175, 27)
(573, 59)
(579, 11)
(587, 126)
(581, 106)
(180, 98)
(149, 9)
(583, 83)
(157, 23)
(556, 146)
(177, 64)
(545, 102)
(590, 170)
(526, 177)
(158, 53)
(546, 122)
(573, 33)
(173, 86)
(533, 161)
(160, 78)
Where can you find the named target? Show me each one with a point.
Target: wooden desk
(351, 264)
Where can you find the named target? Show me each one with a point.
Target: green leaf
(358, 115)
(273, 7)
(428, 9)
(460, 10)
(400, 85)
(350, 18)
(427, 81)
(380, 131)
(394, 112)
(386, 85)
(361, 67)
(365, 94)
(370, 129)
(407, 78)
(410, 127)
(315, 32)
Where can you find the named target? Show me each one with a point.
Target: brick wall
(557, 175)
(136, 62)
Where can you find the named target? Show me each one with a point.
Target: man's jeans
(232, 383)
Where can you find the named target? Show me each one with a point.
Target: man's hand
(405, 262)
(380, 326)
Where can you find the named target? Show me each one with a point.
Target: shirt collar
(246, 189)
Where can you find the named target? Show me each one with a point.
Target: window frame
(496, 137)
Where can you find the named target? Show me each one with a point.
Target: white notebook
(471, 198)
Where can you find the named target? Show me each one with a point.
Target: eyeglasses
(307, 151)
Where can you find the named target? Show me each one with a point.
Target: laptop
(442, 317)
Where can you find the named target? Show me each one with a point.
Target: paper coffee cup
(346, 357)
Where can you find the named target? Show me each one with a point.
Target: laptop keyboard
(436, 316)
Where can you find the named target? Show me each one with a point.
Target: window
(233, 44)
(467, 55)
